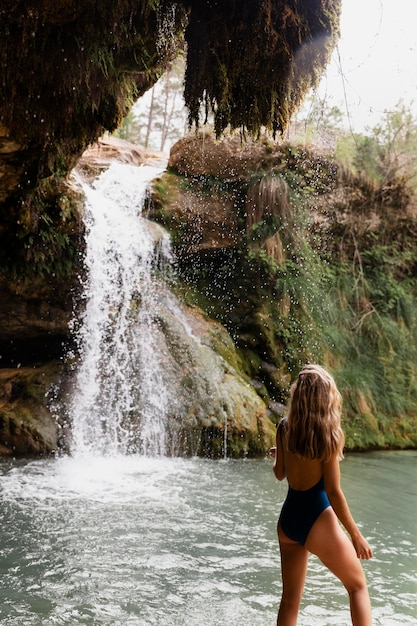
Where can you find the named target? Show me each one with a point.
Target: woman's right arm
(279, 466)
(331, 472)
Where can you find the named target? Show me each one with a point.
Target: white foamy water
(120, 398)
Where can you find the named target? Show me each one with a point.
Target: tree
(317, 123)
(395, 138)
(159, 118)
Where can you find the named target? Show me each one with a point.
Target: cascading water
(120, 399)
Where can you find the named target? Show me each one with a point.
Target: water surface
(136, 541)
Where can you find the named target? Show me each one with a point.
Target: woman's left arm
(331, 472)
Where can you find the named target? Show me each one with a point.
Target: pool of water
(137, 541)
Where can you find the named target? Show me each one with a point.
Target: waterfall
(120, 397)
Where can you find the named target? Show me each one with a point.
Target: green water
(134, 541)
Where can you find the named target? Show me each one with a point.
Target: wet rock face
(214, 409)
(11, 168)
(33, 336)
(26, 425)
(203, 222)
(32, 328)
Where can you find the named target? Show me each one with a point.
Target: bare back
(301, 473)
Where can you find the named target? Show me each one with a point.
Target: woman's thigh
(294, 560)
(330, 543)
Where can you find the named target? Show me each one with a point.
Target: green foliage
(207, 185)
(366, 157)
(342, 292)
(273, 310)
(386, 152)
(372, 347)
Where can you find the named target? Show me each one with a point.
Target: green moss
(223, 345)
(71, 73)
(164, 189)
(339, 295)
(48, 242)
(238, 445)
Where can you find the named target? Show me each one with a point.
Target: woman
(309, 446)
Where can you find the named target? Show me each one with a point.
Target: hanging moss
(252, 62)
(72, 69)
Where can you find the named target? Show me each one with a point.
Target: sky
(375, 64)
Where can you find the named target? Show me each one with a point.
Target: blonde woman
(309, 446)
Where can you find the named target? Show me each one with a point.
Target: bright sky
(376, 61)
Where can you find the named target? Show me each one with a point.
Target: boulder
(201, 154)
(214, 408)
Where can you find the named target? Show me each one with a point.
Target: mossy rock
(27, 427)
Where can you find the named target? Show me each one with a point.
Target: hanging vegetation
(72, 70)
(252, 62)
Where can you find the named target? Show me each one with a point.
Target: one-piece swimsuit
(301, 509)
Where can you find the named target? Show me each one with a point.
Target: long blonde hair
(313, 422)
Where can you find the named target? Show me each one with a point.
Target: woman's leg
(328, 541)
(294, 559)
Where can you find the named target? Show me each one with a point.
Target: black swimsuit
(301, 509)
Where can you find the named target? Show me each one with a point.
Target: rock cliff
(281, 252)
(301, 260)
(214, 409)
(267, 238)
